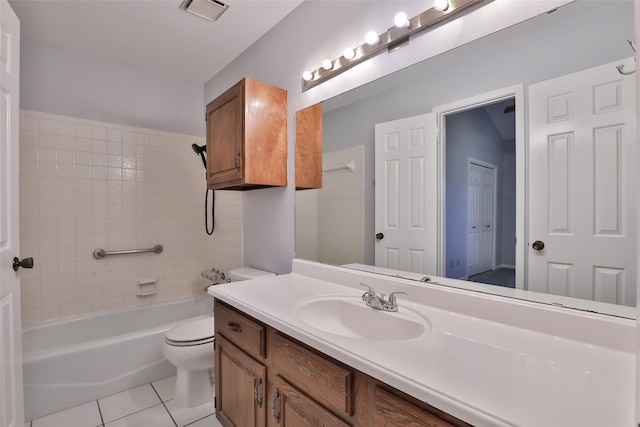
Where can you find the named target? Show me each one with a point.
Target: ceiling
(151, 34)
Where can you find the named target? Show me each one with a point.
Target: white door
(11, 400)
(582, 185)
(405, 194)
(480, 218)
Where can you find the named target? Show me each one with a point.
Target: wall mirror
(337, 224)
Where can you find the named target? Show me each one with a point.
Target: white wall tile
(86, 185)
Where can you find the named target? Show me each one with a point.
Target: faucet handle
(391, 304)
(366, 297)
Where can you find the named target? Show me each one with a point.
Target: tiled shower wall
(86, 185)
(330, 221)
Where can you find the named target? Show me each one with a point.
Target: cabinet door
(291, 408)
(225, 153)
(240, 386)
(391, 411)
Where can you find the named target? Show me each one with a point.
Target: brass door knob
(538, 245)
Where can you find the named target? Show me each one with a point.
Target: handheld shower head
(200, 149)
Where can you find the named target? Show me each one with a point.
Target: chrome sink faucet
(378, 302)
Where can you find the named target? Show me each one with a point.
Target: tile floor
(148, 405)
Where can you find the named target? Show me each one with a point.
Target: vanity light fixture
(441, 5)
(349, 53)
(402, 20)
(392, 39)
(372, 38)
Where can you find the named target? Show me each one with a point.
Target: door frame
(442, 111)
(494, 169)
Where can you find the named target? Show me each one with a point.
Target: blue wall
(471, 134)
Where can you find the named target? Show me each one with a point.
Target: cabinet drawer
(240, 329)
(391, 411)
(323, 380)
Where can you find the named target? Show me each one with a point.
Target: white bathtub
(76, 360)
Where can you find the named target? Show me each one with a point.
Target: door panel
(481, 218)
(582, 185)
(11, 400)
(405, 171)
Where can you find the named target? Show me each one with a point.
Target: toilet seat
(193, 332)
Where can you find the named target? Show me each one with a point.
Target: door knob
(25, 263)
(538, 245)
(379, 236)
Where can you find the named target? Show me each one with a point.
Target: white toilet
(189, 347)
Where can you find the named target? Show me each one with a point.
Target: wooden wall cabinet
(247, 137)
(309, 148)
(265, 378)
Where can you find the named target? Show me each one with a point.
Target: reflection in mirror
(336, 224)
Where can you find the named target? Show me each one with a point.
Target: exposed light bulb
(441, 5)
(371, 38)
(307, 76)
(349, 53)
(327, 64)
(401, 20)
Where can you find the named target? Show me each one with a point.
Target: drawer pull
(257, 392)
(237, 160)
(234, 327)
(304, 371)
(275, 406)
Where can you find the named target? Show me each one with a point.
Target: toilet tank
(248, 273)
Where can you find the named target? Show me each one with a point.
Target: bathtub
(76, 360)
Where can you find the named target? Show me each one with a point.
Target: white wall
(62, 81)
(316, 30)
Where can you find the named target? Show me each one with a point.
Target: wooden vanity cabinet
(293, 408)
(247, 137)
(265, 378)
(240, 372)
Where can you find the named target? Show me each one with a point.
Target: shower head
(200, 149)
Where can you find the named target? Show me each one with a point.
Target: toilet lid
(193, 330)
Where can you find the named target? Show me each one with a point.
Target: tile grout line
(100, 412)
(163, 404)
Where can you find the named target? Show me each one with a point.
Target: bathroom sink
(348, 316)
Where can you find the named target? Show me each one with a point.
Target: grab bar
(101, 253)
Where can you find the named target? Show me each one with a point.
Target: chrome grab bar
(101, 253)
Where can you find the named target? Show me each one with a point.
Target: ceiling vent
(207, 9)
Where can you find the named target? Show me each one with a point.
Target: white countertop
(485, 360)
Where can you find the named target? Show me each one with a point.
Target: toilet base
(194, 388)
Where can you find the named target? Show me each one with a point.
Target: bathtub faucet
(213, 275)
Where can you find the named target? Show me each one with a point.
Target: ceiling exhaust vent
(207, 9)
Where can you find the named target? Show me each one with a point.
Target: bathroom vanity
(304, 346)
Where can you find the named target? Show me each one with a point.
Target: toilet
(189, 347)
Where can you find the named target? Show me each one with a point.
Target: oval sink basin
(348, 316)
